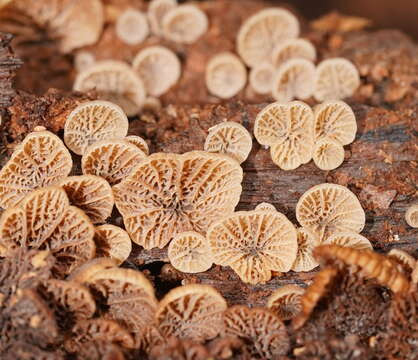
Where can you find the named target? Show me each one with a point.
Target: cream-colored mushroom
(157, 9)
(83, 59)
(261, 78)
(112, 241)
(411, 216)
(305, 260)
(328, 154)
(265, 206)
(348, 239)
(285, 302)
(293, 49)
(139, 142)
(132, 27)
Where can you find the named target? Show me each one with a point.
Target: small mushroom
(411, 216)
(83, 59)
(261, 78)
(132, 27)
(328, 154)
(139, 142)
(349, 239)
(293, 49)
(305, 260)
(157, 9)
(112, 241)
(265, 206)
(225, 75)
(407, 262)
(229, 138)
(285, 302)
(87, 270)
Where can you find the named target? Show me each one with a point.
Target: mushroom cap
(285, 302)
(229, 138)
(184, 24)
(158, 67)
(411, 216)
(93, 121)
(87, 270)
(348, 239)
(112, 241)
(225, 75)
(291, 49)
(265, 206)
(328, 154)
(407, 261)
(294, 79)
(132, 27)
(261, 78)
(329, 208)
(83, 59)
(253, 243)
(138, 142)
(191, 312)
(40, 160)
(157, 9)
(307, 241)
(260, 34)
(336, 78)
(114, 81)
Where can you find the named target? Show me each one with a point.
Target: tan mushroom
(139, 142)
(336, 78)
(93, 121)
(265, 206)
(253, 244)
(88, 269)
(260, 33)
(307, 241)
(114, 81)
(158, 67)
(293, 49)
(112, 241)
(83, 59)
(285, 302)
(348, 239)
(229, 138)
(328, 154)
(261, 78)
(157, 9)
(191, 312)
(40, 160)
(407, 262)
(411, 216)
(225, 75)
(132, 27)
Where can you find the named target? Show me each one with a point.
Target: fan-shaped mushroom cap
(411, 215)
(292, 49)
(114, 81)
(229, 138)
(305, 260)
(139, 142)
(349, 239)
(329, 208)
(191, 312)
(407, 261)
(265, 206)
(157, 9)
(288, 129)
(328, 154)
(253, 244)
(87, 270)
(184, 24)
(336, 79)
(40, 160)
(335, 120)
(113, 160)
(132, 27)
(92, 121)
(294, 79)
(168, 194)
(261, 78)
(260, 34)
(158, 67)
(264, 334)
(285, 302)
(112, 241)
(83, 59)
(189, 252)
(225, 75)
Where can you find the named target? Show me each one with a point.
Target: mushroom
(336, 78)
(40, 160)
(328, 154)
(188, 252)
(90, 193)
(253, 243)
(288, 129)
(348, 239)
(191, 312)
(285, 302)
(132, 27)
(184, 24)
(157, 9)
(112, 241)
(83, 59)
(139, 142)
(261, 78)
(229, 138)
(91, 267)
(151, 104)
(158, 67)
(92, 121)
(260, 34)
(265, 206)
(293, 49)
(305, 260)
(262, 332)
(225, 75)
(329, 208)
(114, 81)
(407, 262)
(168, 194)
(294, 79)
(111, 159)
(411, 215)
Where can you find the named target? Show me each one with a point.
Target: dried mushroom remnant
(336, 79)
(265, 206)
(305, 260)
(411, 216)
(168, 194)
(190, 253)
(225, 75)
(92, 121)
(261, 78)
(229, 138)
(158, 67)
(184, 24)
(328, 154)
(329, 208)
(40, 160)
(253, 244)
(264, 334)
(260, 34)
(157, 9)
(293, 49)
(288, 130)
(407, 262)
(113, 160)
(112, 241)
(285, 302)
(349, 239)
(294, 79)
(114, 81)
(191, 312)
(132, 27)
(139, 142)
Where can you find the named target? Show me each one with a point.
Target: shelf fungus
(132, 27)
(293, 49)
(265, 206)
(253, 243)
(263, 333)
(328, 154)
(348, 239)
(288, 130)
(305, 260)
(157, 9)
(285, 302)
(229, 138)
(168, 194)
(40, 160)
(139, 142)
(192, 312)
(411, 216)
(261, 78)
(112, 241)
